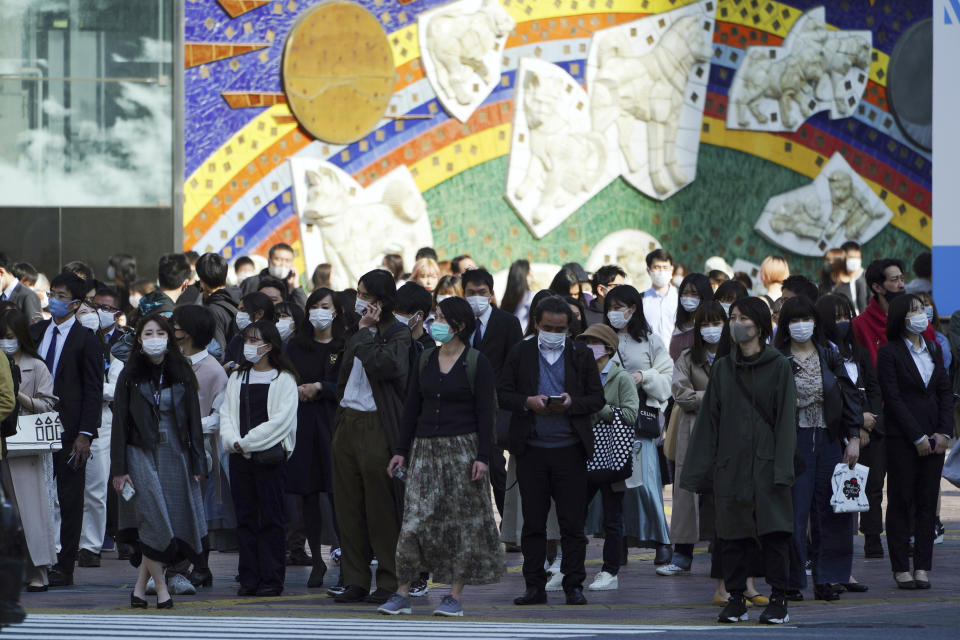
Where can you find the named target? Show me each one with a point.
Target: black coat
(310, 468)
(910, 409)
(78, 380)
(499, 337)
(521, 379)
(842, 411)
(249, 285)
(28, 302)
(223, 304)
(135, 422)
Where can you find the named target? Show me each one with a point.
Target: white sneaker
(554, 569)
(671, 570)
(555, 583)
(604, 582)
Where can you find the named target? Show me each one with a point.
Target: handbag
(271, 457)
(850, 489)
(612, 450)
(951, 466)
(37, 433)
(670, 438)
(648, 418)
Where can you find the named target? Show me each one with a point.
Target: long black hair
(538, 297)
(13, 319)
(628, 296)
(797, 308)
(565, 279)
(517, 287)
(708, 312)
(758, 312)
(256, 302)
(701, 283)
(174, 369)
(829, 308)
(267, 331)
(897, 314)
(304, 332)
(457, 311)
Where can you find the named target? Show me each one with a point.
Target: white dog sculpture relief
(648, 89)
(463, 49)
(563, 163)
(815, 69)
(356, 234)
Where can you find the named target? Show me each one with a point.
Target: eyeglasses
(106, 308)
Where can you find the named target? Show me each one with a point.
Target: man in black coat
(497, 333)
(222, 301)
(553, 388)
(74, 356)
(12, 289)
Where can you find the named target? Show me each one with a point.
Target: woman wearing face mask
(918, 418)
(31, 477)
(315, 355)
(194, 326)
(87, 316)
(741, 449)
(253, 307)
(445, 441)
(695, 290)
(156, 451)
(829, 418)
(258, 427)
(289, 317)
(647, 360)
(579, 324)
(605, 514)
(728, 293)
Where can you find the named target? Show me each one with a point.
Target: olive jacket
(749, 460)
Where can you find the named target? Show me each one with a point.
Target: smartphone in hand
(127, 492)
(554, 400)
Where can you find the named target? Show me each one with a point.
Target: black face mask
(843, 329)
(892, 295)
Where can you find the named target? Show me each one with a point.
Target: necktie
(3, 296)
(476, 336)
(51, 356)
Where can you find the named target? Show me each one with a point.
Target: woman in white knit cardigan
(258, 427)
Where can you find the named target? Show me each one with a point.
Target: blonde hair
(774, 269)
(425, 267)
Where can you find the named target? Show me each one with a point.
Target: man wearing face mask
(496, 334)
(74, 357)
(885, 280)
(280, 268)
(853, 284)
(660, 301)
(552, 387)
(411, 310)
(173, 275)
(605, 278)
(11, 289)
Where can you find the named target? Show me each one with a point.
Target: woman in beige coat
(31, 476)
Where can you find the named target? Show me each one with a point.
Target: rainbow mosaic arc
(238, 196)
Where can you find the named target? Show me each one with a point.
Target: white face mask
(402, 319)
(853, 265)
(134, 300)
(107, 320)
(711, 335)
(321, 318)
(154, 346)
(660, 279)
(111, 273)
(551, 341)
(442, 297)
(929, 312)
(243, 320)
(801, 331)
(689, 303)
(726, 307)
(677, 281)
(10, 346)
(618, 319)
(90, 321)
(917, 324)
(479, 304)
(285, 328)
(250, 353)
(278, 272)
(360, 306)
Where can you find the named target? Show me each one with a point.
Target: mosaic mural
(240, 135)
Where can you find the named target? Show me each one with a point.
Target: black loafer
(533, 595)
(825, 592)
(58, 578)
(268, 592)
(380, 596)
(906, 584)
(36, 588)
(855, 587)
(575, 596)
(168, 604)
(243, 592)
(351, 595)
(137, 603)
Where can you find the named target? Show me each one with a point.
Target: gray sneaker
(397, 604)
(450, 607)
(180, 586)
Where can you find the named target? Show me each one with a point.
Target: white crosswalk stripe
(145, 627)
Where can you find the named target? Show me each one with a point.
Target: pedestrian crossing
(146, 627)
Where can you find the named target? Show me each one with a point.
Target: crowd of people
(221, 408)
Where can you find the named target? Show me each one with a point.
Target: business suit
(560, 472)
(861, 297)
(27, 301)
(498, 338)
(912, 410)
(78, 383)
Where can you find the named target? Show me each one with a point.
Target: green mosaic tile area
(712, 216)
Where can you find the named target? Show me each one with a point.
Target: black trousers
(258, 503)
(560, 474)
(738, 558)
(914, 486)
(313, 522)
(874, 455)
(70, 484)
(612, 524)
(498, 476)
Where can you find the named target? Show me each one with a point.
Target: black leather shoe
(855, 587)
(86, 558)
(268, 592)
(380, 596)
(351, 595)
(532, 596)
(243, 592)
(299, 558)
(315, 581)
(124, 551)
(36, 588)
(794, 595)
(825, 592)
(57, 578)
(575, 596)
(168, 604)
(201, 578)
(664, 554)
(137, 603)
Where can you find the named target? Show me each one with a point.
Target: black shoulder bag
(273, 456)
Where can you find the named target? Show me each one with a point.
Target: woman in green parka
(742, 449)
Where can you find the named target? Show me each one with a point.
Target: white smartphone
(127, 492)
